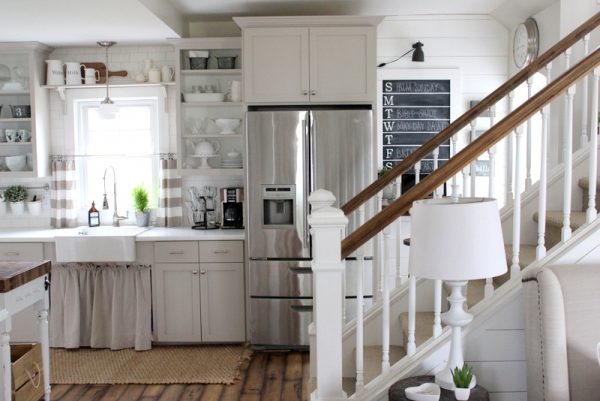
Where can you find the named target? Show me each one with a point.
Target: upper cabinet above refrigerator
(309, 60)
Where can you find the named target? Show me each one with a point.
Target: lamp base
(456, 317)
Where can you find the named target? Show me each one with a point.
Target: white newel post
(327, 224)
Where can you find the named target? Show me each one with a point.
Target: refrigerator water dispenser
(278, 205)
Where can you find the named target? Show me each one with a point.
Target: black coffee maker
(232, 207)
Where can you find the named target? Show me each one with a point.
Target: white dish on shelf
(12, 86)
(203, 97)
(227, 125)
(16, 163)
(205, 155)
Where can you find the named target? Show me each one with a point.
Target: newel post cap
(323, 213)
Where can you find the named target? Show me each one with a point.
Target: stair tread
(584, 183)
(554, 218)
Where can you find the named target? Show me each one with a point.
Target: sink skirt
(101, 306)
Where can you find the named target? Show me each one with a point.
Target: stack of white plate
(232, 160)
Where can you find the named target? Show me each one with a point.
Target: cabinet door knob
(305, 93)
(313, 92)
(194, 271)
(202, 271)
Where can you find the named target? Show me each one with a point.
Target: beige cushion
(562, 311)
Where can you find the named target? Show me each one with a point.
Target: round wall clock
(526, 43)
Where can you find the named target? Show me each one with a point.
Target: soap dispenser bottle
(93, 216)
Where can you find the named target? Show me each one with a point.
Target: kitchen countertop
(152, 234)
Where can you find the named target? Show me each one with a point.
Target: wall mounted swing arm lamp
(417, 54)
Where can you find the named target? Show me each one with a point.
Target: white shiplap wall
(476, 45)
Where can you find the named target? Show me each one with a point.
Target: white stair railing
(529, 151)
(540, 250)
(360, 307)
(584, 96)
(568, 162)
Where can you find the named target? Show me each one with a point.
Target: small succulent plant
(462, 377)
(15, 193)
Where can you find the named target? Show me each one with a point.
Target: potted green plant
(16, 195)
(462, 381)
(388, 191)
(140, 204)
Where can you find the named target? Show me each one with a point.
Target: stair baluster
(509, 154)
(360, 254)
(455, 193)
(417, 172)
(437, 308)
(411, 346)
(378, 253)
(465, 185)
(591, 212)
(385, 318)
(473, 165)
(528, 179)
(436, 154)
(401, 275)
(584, 95)
(540, 250)
(515, 268)
(568, 162)
(488, 290)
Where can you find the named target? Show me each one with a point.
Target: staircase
(405, 319)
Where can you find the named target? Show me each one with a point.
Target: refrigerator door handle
(307, 183)
(301, 308)
(301, 270)
(312, 157)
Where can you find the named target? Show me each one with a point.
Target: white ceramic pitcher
(55, 74)
(73, 73)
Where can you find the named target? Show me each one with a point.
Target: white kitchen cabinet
(198, 290)
(21, 74)
(309, 64)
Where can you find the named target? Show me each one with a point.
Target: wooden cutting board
(101, 68)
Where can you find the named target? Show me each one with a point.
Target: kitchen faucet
(116, 217)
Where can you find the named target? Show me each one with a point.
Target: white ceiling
(83, 22)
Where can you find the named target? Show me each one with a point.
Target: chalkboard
(413, 111)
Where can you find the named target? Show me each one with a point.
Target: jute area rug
(206, 364)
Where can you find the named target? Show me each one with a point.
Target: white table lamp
(455, 241)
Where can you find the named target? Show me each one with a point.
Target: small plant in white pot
(16, 195)
(388, 191)
(140, 204)
(462, 381)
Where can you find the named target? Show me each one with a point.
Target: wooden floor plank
(172, 392)
(113, 393)
(256, 375)
(133, 392)
(292, 390)
(293, 366)
(274, 376)
(192, 392)
(233, 392)
(93, 392)
(305, 376)
(212, 392)
(58, 390)
(153, 390)
(75, 393)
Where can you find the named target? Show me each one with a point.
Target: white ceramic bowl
(16, 163)
(203, 97)
(227, 125)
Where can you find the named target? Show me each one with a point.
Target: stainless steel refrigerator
(291, 152)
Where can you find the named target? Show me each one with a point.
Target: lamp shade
(456, 239)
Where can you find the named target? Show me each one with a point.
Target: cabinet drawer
(176, 252)
(21, 251)
(221, 251)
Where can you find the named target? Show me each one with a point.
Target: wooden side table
(396, 392)
(23, 284)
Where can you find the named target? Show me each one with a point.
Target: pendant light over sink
(108, 109)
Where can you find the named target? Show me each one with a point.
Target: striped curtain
(62, 194)
(170, 212)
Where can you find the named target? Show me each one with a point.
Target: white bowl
(203, 97)
(227, 125)
(424, 392)
(16, 163)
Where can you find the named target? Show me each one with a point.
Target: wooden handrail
(465, 119)
(388, 215)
